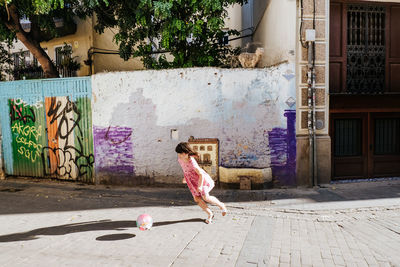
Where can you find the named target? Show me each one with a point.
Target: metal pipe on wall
(314, 169)
(311, 111)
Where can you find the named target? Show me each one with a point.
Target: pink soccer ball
(144, 222)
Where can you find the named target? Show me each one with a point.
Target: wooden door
(365, 145)
(384, 145)
(349, 145)
(364, 87)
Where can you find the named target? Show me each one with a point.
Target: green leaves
(45, 6)
(168, 33)
(162, 10)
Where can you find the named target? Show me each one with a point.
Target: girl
(198, 181)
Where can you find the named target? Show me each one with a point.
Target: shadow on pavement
(86, 227)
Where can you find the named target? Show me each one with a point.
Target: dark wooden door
(364, 87)
(384, 145)
(349, 145)
(365, 145)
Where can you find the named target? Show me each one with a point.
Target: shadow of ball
(114, 237)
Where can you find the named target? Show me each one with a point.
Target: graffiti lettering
(28, 143)
(70, 163)
(21, 112)
(27, 130)
(68, 159)
(31, 155)
(20, 101)
(55, 112)
(26, 138)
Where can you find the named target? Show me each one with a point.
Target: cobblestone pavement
(49, 223)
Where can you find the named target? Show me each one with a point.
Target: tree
(5, 62)
(191, 31)
(42, 15)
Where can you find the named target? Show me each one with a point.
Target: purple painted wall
(113, 150)
(282, 143)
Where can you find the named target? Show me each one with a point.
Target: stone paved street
(53, 223)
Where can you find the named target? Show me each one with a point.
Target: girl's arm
(183, 180)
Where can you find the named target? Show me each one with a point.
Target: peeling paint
(238, 106)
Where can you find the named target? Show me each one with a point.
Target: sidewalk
(50, 223)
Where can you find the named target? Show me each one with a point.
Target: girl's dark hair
(184, 147)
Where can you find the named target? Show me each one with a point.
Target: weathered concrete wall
(135, 114)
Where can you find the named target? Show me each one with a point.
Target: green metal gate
(47, 128)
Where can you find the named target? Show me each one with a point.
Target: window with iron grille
(61, 53)
(365, 49)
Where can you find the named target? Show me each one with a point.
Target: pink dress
(192, 178)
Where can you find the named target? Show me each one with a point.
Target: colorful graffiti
(65, 156)
(52, 140)
(25, 134)
(282, 143)
(113, 150)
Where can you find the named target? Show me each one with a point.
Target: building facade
(94, 52)
(322, 104)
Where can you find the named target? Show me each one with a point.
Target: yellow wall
(81, 42)
(107, 62)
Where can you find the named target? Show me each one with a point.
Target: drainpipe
(310, 38)
(315, 176)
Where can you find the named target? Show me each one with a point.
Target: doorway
(365, 145)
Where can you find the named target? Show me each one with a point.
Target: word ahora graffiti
(26, 139)
(27, 130)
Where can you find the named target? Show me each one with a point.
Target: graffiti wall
(113, 150)
(139, 117)
(46, 128)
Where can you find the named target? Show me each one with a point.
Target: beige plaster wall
(277, 32)
(111, 62)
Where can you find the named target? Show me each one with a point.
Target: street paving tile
(63, 224)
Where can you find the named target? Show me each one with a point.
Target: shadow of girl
(84, 227)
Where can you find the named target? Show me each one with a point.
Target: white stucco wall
(274, 29)
(136, 111)
(276, 32)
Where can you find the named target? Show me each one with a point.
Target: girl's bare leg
(213, 200)
(204, 206)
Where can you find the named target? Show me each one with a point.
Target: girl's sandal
(224, 211)
(209, 220)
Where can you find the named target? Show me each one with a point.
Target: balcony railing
(36, 72)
